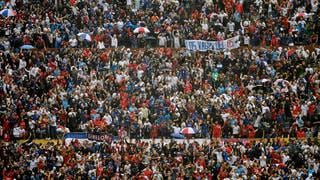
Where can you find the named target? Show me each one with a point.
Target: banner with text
(200, 45)
(100, 137)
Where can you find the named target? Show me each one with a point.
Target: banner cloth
(200, 45)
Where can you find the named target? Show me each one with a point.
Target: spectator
(216, 131)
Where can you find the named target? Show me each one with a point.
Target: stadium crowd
(74, 82)
(156, 92)
(271, 160)
(165, 23)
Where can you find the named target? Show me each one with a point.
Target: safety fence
(107, 138)
(306, 47)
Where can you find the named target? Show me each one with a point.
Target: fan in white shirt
(100, 45)
(73, 42)
(235, 130)
(18, 132)
(59, 161)
(231, 26)
(107, 118)
(114, 41)
(246, 40)
(22, 64)
(219, 156)
(33, 71)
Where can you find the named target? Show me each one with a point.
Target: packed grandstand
(159, 89)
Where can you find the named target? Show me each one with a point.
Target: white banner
(200, 45)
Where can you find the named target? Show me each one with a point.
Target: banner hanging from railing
(200, 45)
(99, 137)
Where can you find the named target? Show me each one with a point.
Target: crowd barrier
(85, 137)
(307, 47)
(166, 141)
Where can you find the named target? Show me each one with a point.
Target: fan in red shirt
(187, 87)
(197, 175)
(239, 7)
(86, 53)
(133, 66)
(154, 131)
(6, 137)
(169, 52)
(99, 170)
(104, 57)
(300, 134)
(274, 41)
(201, 162)
(276, 158)
(73, 2)
(251, 131)
(312, 109)
(148, 172)
(7, 174)
(223, 173)
(296, 110)
(216, 130)
(228, 149)
(228, 6)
